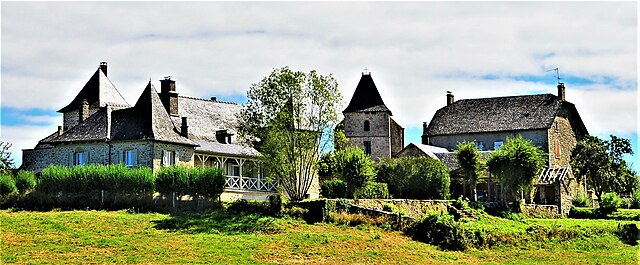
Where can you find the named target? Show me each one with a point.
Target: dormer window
(223, 137)
(366, 126)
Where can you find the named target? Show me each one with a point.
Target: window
(131, 158)
(80, 158)
(480, 145)
(367, 147)
(366, 126)
(557, 149)
(169, 158)
(497, 144)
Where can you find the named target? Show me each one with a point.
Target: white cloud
(24, 137)
(416, 51)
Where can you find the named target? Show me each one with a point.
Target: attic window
(366, 126)
(223, 137)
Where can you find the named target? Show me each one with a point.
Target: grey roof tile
(366, 97)
(98, 91)
(205, 117)
(226, 149)
(449, 159)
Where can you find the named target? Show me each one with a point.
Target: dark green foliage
(25, 181)
(272, 207)
(469, 160)
(7, 185)
(6, 162)
(88, 178)
(316, 210)
(629, 233)
(636, 198)
(610, 203)
(275, 204)
(516, 164)
(443, 231)
(373, 190)
(600, 163)
(335, 188)
(583, 213)
(182, 180)
(355, 168)
(415, 178)
(581, 200)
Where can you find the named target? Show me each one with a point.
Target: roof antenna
(557, 73)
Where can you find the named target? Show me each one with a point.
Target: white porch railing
(253, 184)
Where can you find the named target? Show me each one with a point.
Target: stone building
(368, 124)
(549, 121)
(160, 129)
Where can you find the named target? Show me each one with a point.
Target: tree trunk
(474, 193)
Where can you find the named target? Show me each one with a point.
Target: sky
(415, 52)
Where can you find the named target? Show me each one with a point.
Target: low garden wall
(413, 208)
(539, 210)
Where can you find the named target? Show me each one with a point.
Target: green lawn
(81, 237)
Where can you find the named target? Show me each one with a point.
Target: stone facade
(379, 134)
(450, 142)
(413, 208)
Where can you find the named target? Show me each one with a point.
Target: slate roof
(449, 159)
(226, 149)
(205, 117)
(498, 114)
(366, 97)
(98, 91)
(94, 128)
(148, 119)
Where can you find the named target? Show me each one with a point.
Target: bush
(610, 203)
(443, 231)
(25, 181)
(581, 200)
(582, 213)
(89, 178)
(355, 168)
(415, 178)
(206, 181)
(7, 185)
(636, 198)
(335, 188)
(373, 190)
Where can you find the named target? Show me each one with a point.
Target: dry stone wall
(413, 208)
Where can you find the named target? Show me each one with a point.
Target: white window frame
(168, 158)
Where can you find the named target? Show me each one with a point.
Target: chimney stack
(84, 110)
(169, 96)
(449, 98)
(184, 129)
(60, 131)
(561, 89)
(214, 99)
(103, 67)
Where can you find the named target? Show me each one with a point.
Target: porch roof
(226, 149)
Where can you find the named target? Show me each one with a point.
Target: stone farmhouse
(549, 121)
(160, 129)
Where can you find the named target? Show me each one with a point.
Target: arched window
(366, 126)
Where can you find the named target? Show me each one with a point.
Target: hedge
(7, 185)
(87, 178)
(183, 180)
(373, 190)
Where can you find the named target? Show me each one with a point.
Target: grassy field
(82, 237)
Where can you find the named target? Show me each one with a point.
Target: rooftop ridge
(502, 97)
(204, 99)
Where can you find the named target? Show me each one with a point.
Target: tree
(355, 168)
(516, 164)
(600, 164)
(469, 160)
(287, 116)
(415, 177)
(6, 162)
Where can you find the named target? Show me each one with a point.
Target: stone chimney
(214, 99)
(449, 98)
(169, 96)
(83, 111)
(184, 129)
(60, 131)
(103, 67)
(561, 89)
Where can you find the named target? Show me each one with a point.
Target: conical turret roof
(98, 89)
(366, 97)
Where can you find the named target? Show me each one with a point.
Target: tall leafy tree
(516, 164)
(599, 163)
(469, 160)
(287, 116)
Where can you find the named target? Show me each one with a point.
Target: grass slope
(81, 237)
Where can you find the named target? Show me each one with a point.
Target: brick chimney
(449, 98)
(184, 129)
(103, 67)
(83, 111)
(561, 90)
(60, 131)
(169, 96)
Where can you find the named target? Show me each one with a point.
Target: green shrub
(582, 213)
(89, 178)
(335, 188)
(581, 200)
(355, 168)
(172, 179)
(415, 178)
(25, 181)
(7, 185)
(636, 198)
(443, 231)
(206, 181)
(610, 203)
(373, 190)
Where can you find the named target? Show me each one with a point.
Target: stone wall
(378, 134)
(547, 211)
(538, 137)
(72, 118)
(38, 159)
(564, 133)
(397, 137)
(413, 208)
(185, 153)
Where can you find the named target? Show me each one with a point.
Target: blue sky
(415, 52)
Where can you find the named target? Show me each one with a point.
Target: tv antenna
(557, 73)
